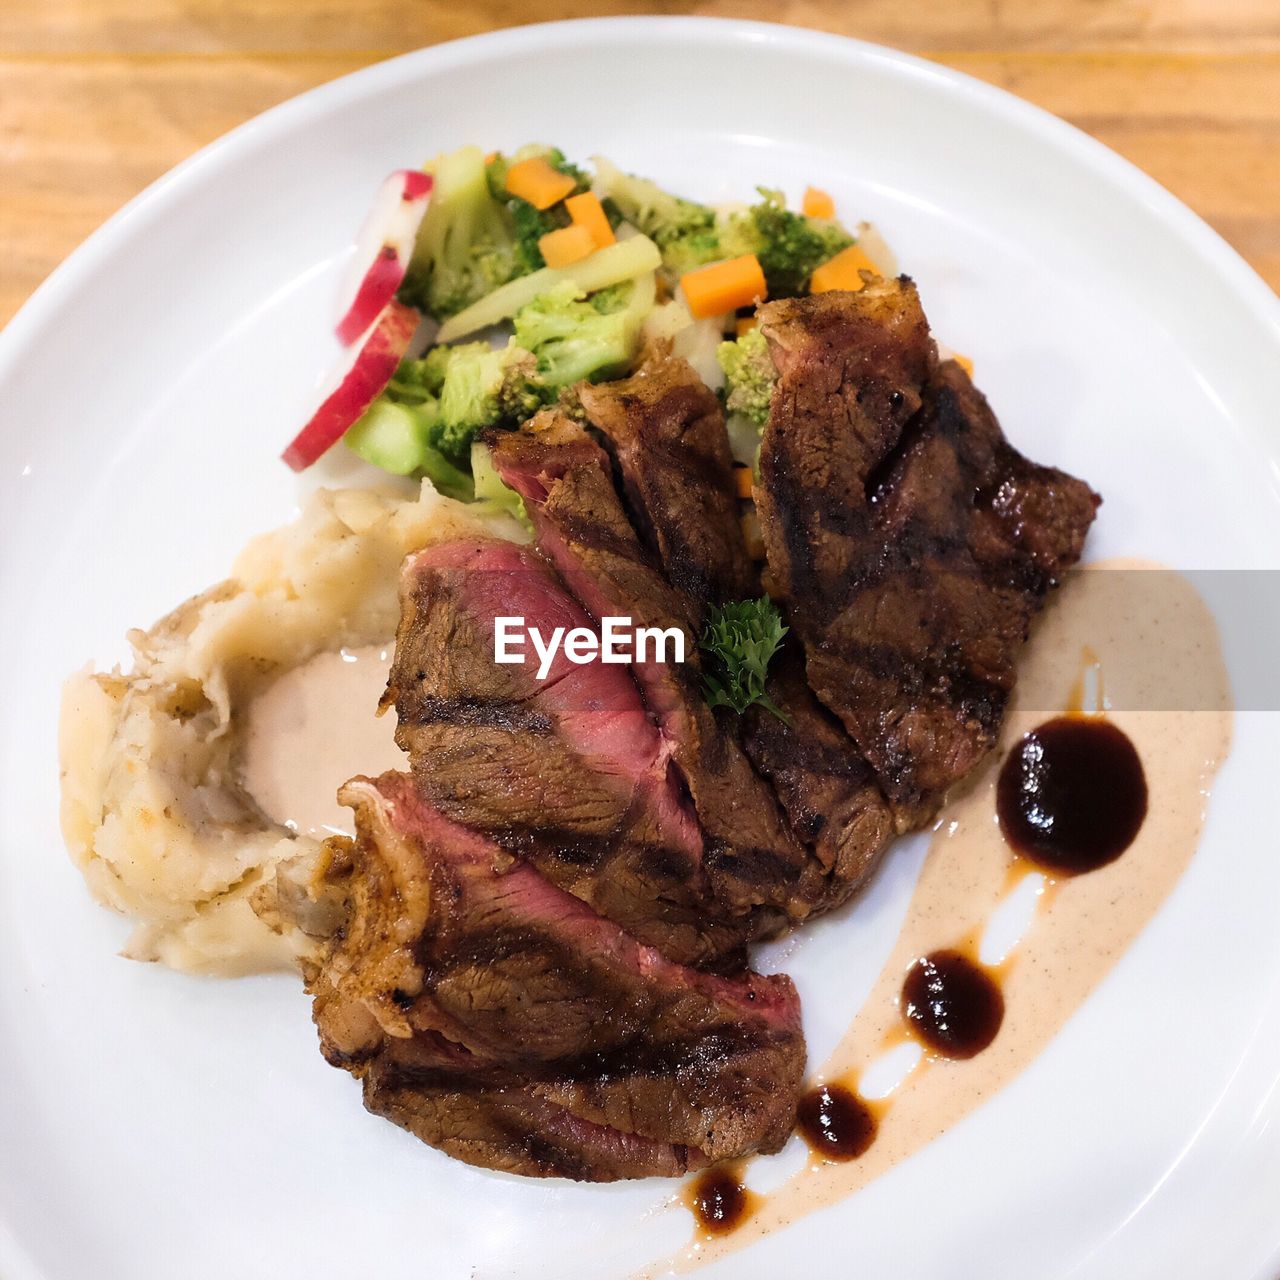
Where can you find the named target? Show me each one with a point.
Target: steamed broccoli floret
(664, 218)
(483, 387)
(417, 381)
(575, 338)
(457, 391)
(466, 246)
(789, 245)
(749, 376)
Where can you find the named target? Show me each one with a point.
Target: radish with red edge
(384, 249)
(364, 379)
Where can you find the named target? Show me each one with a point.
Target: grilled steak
(564, 478)
(667, 433)
(508, 978)
(501, 1018)
(509, 1126)
(568, 771)
(829, 792)
(911, 543)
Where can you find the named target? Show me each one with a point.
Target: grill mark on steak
(666, 430)
(830, 793)
(514, 1130)
(477, 713)
(911, 543)
(491, 1013)
(751, 856)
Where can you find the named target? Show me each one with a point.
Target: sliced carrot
(565, 246)
(724, 286)
(964, 362)
(587, 211)
(537, 182)
(745, 324)
(842, 272)
(742, 478)
(817, 204)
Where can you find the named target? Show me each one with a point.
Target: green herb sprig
(741, 639)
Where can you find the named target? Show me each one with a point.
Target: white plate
(154, 1126)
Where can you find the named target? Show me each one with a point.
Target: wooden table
(99, 97)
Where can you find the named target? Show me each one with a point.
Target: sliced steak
(830, 793)
(568, 771)
(671, 445)
(564, 478)
(475, 1000)
(911, 543)
(484, 1114)
(667, 432)
(512, 1128)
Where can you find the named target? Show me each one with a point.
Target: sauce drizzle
(1072, 795)
(952, 1004)
(836, 1123)
(719, 1199)
(1144, 631)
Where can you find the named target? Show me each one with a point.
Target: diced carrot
(842, 271)
(724, 286)
(742, 478)
(964, 362)
(817, 204)
(745, 324)
(587, 211)
(490, 157)
(752, 536)
(566, 245)
(537, 182)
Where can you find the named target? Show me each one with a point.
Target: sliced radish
(362, 381)
(383, 249)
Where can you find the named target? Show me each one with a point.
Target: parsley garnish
(741, 638)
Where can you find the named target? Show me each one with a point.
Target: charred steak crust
(830, 793)
(851, 373)
(503, 1020)
(667, 432)
(914, 545)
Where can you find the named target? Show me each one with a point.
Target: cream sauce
(1128, 641)
(310, 730)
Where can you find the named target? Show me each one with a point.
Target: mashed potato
(152, 810)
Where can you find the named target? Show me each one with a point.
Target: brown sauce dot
(951, 1004)
(719, 1200)
(1072, 795)
(835, 1122)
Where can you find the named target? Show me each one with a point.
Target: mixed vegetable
(535, 275)
(528, 275)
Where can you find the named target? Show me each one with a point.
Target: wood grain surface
(100, 97)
